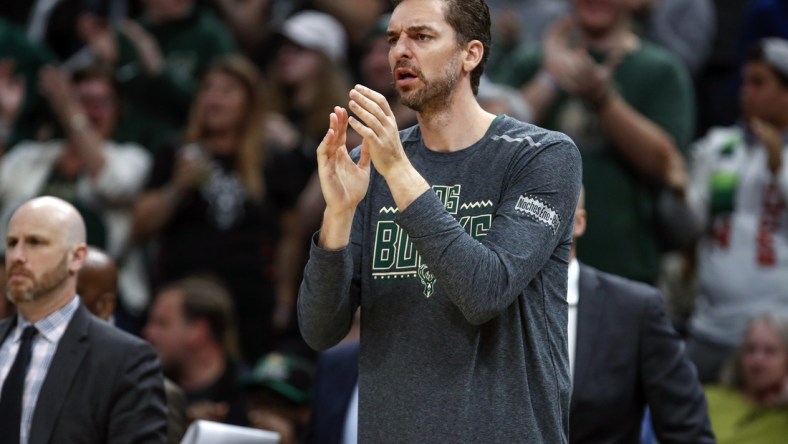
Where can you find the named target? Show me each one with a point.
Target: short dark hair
(759, 53)
(204, 297)
(470, 20)
(95, 72)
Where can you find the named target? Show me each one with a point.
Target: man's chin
(20, 297)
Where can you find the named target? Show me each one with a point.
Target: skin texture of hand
(191, 169)
(381, 135)
(12, 91)
(378, 128)
(279, 131)
(57, 88)
(573, 68)
(771, 138)
(343, 182)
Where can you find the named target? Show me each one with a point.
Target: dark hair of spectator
(95, 72)
(204, 298)
(758, 54)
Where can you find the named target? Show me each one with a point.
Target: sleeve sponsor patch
(539, 211)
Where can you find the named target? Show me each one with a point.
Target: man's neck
(44, 306)
(456, 127)
(205, 367)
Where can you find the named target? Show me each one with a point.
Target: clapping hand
(344, 183)
(772, 140)
(574, 70)
(12, 91)
(58, 90)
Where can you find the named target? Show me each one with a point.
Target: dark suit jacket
(629, 356)
(103, 386)
(335, 379)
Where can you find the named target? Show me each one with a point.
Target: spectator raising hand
(12, 94)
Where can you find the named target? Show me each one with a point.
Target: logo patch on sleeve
(539, 211)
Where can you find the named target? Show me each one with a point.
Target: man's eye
(424, 37)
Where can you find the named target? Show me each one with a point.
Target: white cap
(317, 31)
(775, 51)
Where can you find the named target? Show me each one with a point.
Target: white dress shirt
(350, 431)
(572, 298)
(50, 331)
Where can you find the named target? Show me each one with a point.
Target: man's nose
(401, 48)
(15, 254)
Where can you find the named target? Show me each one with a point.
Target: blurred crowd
(184, 131)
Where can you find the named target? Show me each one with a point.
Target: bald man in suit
(83, 380)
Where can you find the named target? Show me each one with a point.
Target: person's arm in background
(772, 140)
(670, 384)
(12, 95)
(80, 133)
(650, 141)
(175, 174)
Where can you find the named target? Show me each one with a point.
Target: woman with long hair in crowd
(215, 200)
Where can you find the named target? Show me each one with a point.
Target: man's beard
(433, 95)
(49, 281)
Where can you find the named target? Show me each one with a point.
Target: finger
(613, 58)
(561, 28)
(377, 98)
(365, 158)
(370, 120)
(331, 135)
(361, 129)
(341, 124)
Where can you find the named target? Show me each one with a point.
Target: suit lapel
(65, 365)
(5, 327)
(589, 319)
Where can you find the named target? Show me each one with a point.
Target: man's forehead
(23, 225)
(417, 14)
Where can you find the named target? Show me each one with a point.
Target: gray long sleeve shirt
(463, 294)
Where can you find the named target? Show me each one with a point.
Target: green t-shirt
(622, 234)
(735, 420)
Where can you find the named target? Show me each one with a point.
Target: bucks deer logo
(427, 279)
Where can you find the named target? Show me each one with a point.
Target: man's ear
(474, 51)
(580, 223)
(78, 256)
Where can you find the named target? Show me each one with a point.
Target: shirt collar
(51, 327)
(573, 293)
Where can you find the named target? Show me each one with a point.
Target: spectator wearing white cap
(739, 189)
(306, 79)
